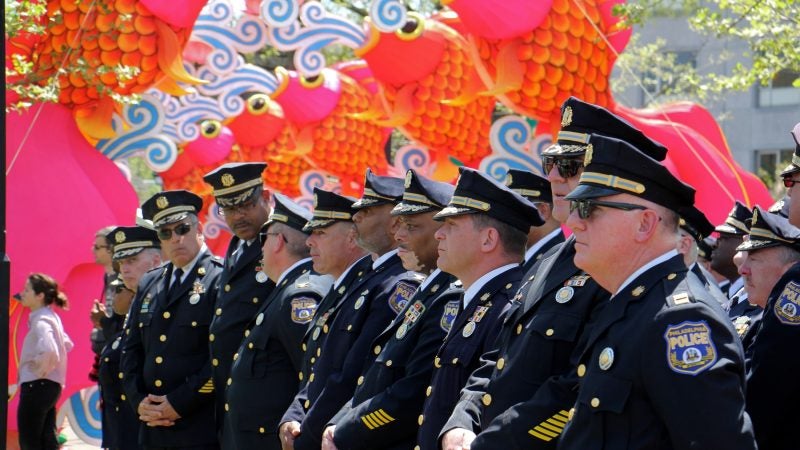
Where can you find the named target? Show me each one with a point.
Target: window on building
(769, 162)
(780, 91)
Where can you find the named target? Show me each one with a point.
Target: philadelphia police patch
(690, 349)
(303, 309)
(449, 315)
(787, 306)
(402, 292)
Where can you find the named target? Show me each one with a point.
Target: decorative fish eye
(413, 27)
(258, 104)
(210, 128)
(312, 81)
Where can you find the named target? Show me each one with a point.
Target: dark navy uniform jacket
(528, 264)
(711, 286)
(120, 421)
(662, 369)
(368, 306)
(384, 409)
(473, 333)
(263, 379)
(539, 335)
(240, 294)
(166, 352)
(773, 366)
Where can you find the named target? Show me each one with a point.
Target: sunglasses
(244, 208)
(788, 182)
(262, 236)
(567, 167)
(585, 207)
(165, 234)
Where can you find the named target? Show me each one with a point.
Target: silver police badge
(261, 277)
(606, 359)
(194, 299)
(565, 294)
(469, 328)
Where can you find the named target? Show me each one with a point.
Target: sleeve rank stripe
(544, 431)
(385, 416)
(552, 428)
(377, 418)
(369, 423)
(556, 422)
(540, 436)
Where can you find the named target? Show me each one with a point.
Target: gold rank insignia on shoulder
(639, 290)
(577, 280)
(485, 297)
(201, 271)
(680, 299)
(741, 324)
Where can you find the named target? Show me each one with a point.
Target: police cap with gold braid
(329, 208)
(529, 185)
(579, 120)
(287, 212)
(422, 195)
(794, 167)
(614, 167)
(695, 223)
(770, 230)
(380, 190)
(235, 183)
(171, 206)
(129, 241)
(476, 192)
(736, 222)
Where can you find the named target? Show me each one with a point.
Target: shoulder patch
(303, 309)
(690, 349)
(449, 315)
(786, 306)
(399, 298)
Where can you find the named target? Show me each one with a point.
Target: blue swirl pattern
(279, 13)
(509, 136)
(388, 16)
(213, 27)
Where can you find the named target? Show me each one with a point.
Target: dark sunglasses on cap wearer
(586, 206)
(567, 167)
(244, 208)
(165, 234)
(789, 182)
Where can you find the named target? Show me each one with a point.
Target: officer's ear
(489, 239)
(647, 227)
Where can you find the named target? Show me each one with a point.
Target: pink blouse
(44, 351)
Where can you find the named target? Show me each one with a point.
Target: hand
(288, 432)
(457, 439)
(98, 312)
(155, 410)
(327, 438)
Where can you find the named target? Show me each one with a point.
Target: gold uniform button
(307, 404)
(325, 328)
(218, 311)
(501, 363)
(428, 391)
(215, 362)
(250, 345)
(595, 402)
(437, 362)
(227, 288)
(227, 408)
(246, 333)
(313, 360)
(304, 347)
(158, 383)
(349, 327)
(211, 337)
(581, 370)
(162, 338)
(194, 324)
(549, 332)
(319, 351)
(421, 419)
(519, 329)
(261, 430)
(377, 349)
(311, 378)
(235, 356)
(508, 286)
(389, 363)
(159, 360)
(120, 375)
(106, 360)
(300, 375)
(416, 447)
(571, 413)
(360, 380)
(166, 315)
(230, 380)
(122, 397)
(486, 399)
(255, 299)
(455, 360)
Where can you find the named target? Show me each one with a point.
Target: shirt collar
(346, 271)
(473, 290)
(377, 263)
(540, 243)
(430, 278)
(286, 272)
(644, 268)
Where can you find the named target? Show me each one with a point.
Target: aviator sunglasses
(586, 206)
(567, 167)
(788, 182)
(165, 234)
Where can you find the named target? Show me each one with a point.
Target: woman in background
(43, 363)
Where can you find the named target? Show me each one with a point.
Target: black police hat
(736, 222)
(612, 166)
(129, 241)
(235, 183)
(579, 120)
(171, 206)
(770, 230)
(478, 193)
(695, 223)
(379, 190)
(328, 208)
(705, 248)
(422, 195)
(288, 212)
(529, 185)
(794, 167)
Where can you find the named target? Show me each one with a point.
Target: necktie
(173, 288)
(239, 252)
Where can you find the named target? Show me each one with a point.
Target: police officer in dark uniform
(482, 242)
(120, 421)
(334, 251)
(730, 236)
(359, 315)
(662, 367)
(537, 190)
(694, 226)
(384, 409)
(166, 367)
(547, 317)
(771, 269)
(244, 203)
(263, 379)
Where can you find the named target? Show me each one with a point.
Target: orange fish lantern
(534, 55)
(102, 36)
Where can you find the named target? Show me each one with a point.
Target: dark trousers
(36, 414)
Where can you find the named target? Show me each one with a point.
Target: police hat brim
(584, 191)
(728, 229)
(314, 224)
(756, 244)
(790, 169)
(127, 253)
(452, 211)
(565, 149)
(407, 209)
(368, 202)
(172, 218)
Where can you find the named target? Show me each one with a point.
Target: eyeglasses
(98, 247)
(585, 207)
(165, 234)
(567, 167)
(244, 208)
(788, 182)
(262, 237)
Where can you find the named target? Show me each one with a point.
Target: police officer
(334, 251)
(136, 250)
(482, 242)
(790, 176)
(537, 190)
(693, 227)
(547, 317)
(661, 346)
(166, 366)
(771, 270)
(263, 379)
(374, 300)
(244, 203)
(730, 236)
(388, 399)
